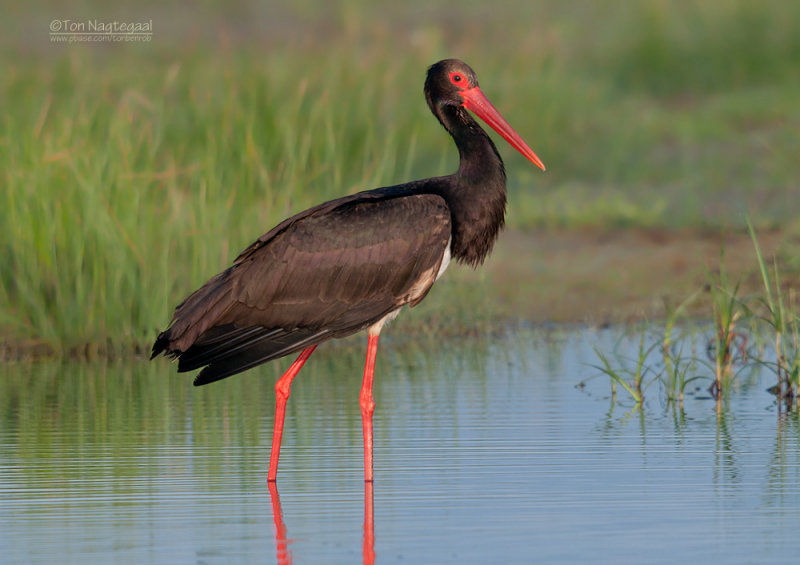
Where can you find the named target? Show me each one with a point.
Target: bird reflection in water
(281, 543)
(284, 556)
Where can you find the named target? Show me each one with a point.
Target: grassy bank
(131, 173)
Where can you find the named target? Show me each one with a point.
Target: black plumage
(328, 272)
(350, 264)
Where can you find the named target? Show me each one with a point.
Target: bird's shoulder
(375, 249)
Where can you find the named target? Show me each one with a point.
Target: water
(484, 453)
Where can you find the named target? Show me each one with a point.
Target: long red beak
(475, 100)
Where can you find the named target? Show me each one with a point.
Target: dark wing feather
(327, 272)
(263, 346)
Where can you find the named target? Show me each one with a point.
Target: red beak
(475, 100)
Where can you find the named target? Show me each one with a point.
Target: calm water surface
(484, 453)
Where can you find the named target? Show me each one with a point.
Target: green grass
(632, 380)
(762, 330)
(779, 316)
(132, 173)
(726, 312)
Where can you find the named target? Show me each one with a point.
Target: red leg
(368, 404)
(282, 390)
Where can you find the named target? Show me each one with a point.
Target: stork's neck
(477, 193)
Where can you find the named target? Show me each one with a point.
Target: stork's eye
(458, 79)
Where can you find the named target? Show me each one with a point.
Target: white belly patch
(445, 260)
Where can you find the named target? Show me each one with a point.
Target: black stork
(352, 263)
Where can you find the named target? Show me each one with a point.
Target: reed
(781, 318)
(727, 345)
(677, 367)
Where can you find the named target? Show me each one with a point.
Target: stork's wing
(327, 272)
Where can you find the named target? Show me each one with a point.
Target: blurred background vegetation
(132, 172)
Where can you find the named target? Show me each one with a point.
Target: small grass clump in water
(671, 370)
(769, 314)
(633, 381)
